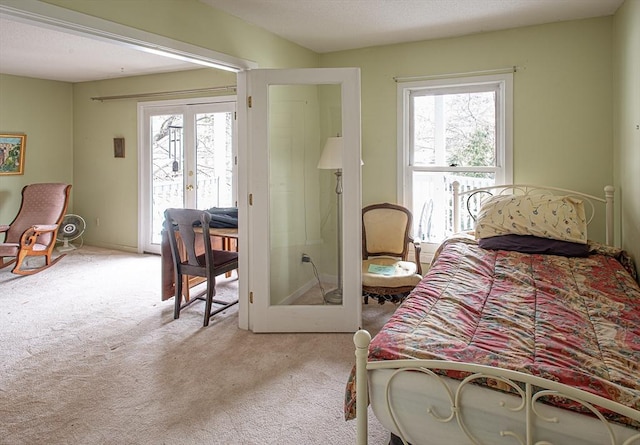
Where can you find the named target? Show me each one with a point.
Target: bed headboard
(471, 199)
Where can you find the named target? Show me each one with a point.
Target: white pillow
(545, 216)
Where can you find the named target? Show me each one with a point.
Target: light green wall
(563, 130)
(42, 110)
(106, 187)
(562, 100)
(626, 112)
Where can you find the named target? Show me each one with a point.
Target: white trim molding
(61, 19)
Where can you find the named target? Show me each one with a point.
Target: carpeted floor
(90, 355)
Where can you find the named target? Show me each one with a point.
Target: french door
(299, 238)
(188, 160)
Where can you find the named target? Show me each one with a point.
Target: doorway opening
(189, 160)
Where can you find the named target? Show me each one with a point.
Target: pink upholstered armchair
(33, 231)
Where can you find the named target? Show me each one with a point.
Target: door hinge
(250, 199)
(251, 297)
(235, 115)
(235, 160)
(249, 101)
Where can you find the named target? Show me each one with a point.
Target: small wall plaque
(118, 147)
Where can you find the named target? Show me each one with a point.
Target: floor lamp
(331, 159)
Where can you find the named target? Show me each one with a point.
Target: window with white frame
(456, 129)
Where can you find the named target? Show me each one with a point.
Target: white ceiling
(34, 51)
(320, 25)
(334, 25)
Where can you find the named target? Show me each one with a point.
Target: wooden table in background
(221, 239)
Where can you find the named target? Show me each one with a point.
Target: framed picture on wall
(12, 153)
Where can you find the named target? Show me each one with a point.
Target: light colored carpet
(90, 355)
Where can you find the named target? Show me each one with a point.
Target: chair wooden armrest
(44, 228)
(29, 238)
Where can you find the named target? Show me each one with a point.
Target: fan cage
(71, 228)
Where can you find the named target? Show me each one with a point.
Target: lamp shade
(331, 158)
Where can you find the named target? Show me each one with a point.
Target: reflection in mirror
(303, 204)
(331, 159)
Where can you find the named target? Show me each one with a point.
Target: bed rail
(530, 390)
(466, 197)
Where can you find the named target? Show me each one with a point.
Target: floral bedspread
(572, 320)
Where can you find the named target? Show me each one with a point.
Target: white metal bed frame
(526, 189)
(527, 390)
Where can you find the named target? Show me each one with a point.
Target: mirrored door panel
(303, 251)
(300, 262)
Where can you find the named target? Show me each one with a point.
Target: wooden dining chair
(190, 241)
(33, 231)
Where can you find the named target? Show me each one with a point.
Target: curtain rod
(166, 93)
(511, 69)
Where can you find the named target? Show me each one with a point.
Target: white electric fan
(71, 228)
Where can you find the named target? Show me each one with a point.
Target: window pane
(168, 160)
(214, 159)
(433, 202)
(454, 129)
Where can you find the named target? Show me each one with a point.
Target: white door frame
(258, 314)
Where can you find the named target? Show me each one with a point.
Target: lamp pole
(335, 296)
(331, 159)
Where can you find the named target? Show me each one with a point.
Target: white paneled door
(300, 230)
